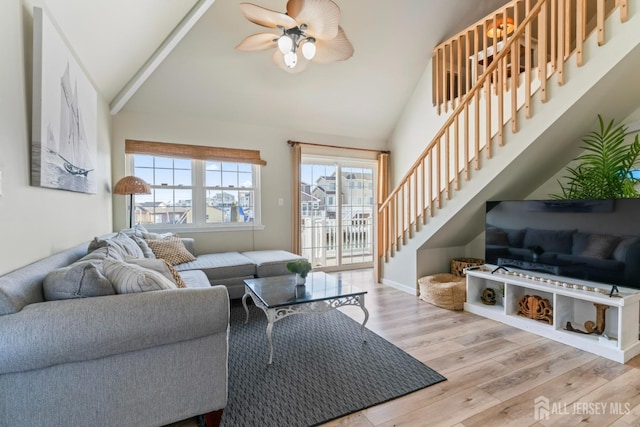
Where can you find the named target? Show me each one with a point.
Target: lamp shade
(131, 185)
(501, 28)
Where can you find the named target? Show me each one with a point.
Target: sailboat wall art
(65, 114)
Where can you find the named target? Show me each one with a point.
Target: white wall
(37, 222)
(275, 176)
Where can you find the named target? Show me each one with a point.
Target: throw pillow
(171, 249)
(620, 252)
(82, 279)
(136, 230)
(600, 246)
(162, 267)
(495, 236)
(142, 244)
(121, 246)
(130, 278)
(155, 236)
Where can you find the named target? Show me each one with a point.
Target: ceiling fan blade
(337, 49)
(278, 59)
(266, 17)
(320, 16)
(259, 41)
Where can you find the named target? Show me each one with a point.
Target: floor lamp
(131, 185)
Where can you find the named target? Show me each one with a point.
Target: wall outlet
(280, 201)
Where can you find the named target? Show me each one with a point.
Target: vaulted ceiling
(205, 77)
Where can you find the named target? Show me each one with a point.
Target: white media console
(572, 301)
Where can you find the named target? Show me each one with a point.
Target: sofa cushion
(171, 249)
(620, 251)
(600, 246)
(271, 262)
(580, 241)
(81, 279)
(130, 278)
(120, 246)
(222, 265)
(496, 236)
(195, 279)
(144, 247)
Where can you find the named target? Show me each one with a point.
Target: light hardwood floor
(494, 371)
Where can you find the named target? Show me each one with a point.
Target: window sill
(205, 228)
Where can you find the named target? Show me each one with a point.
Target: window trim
(199, 189)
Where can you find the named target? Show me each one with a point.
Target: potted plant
(301, 268)
(605, 171)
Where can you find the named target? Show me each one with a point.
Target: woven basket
(443, 290)
(459, 264)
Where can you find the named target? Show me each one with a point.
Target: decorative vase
(535, 257)
(300, 291)
(300, 280)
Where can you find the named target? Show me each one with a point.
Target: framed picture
(65, 114)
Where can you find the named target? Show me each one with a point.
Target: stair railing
(478, 120)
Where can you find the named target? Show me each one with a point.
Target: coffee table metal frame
(312, 307)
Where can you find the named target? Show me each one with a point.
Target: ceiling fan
(309, 27)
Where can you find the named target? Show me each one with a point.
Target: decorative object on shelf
(537, 308)
(536, 251)
(130, 185)
(310, 27)
(488, 296)
(606, 170)
(459, 264)
(443, 290)
(301, 268)
(591, 327)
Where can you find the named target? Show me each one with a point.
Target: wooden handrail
(438, 168)
(476, 87)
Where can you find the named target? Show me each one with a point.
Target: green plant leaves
(605, 171)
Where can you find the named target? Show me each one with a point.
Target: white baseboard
(400, 286)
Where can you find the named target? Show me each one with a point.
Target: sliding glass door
(337, 211)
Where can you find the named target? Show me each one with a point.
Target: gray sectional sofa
(133, 359)
(232, 268)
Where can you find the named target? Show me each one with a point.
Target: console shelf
(572, 301)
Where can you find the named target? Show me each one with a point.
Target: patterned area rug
(321, 370)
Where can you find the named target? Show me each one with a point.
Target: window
(193, 192)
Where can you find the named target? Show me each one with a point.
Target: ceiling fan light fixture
(309, 48)
(285, 44)
(309, 26)
(291, 59)
(501, 28)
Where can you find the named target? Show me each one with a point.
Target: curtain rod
(294, 143)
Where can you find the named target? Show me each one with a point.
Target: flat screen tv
(594, 240)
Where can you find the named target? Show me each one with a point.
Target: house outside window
(195, 193)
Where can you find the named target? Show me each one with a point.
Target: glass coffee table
(280, 297)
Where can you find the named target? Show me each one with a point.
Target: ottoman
(443, 290)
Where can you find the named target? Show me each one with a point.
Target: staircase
(505, 132)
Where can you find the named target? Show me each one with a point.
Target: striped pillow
(130, 278)
(162, 267)
(171, 249)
